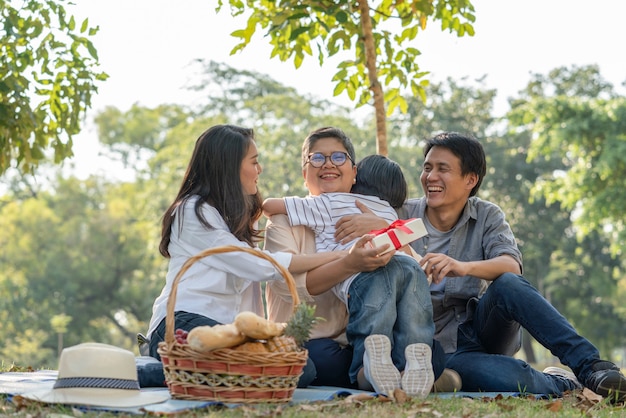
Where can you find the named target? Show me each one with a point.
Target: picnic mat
(15, 383)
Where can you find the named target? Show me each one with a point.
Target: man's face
(442, 181)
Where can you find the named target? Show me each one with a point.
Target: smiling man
(480, 300)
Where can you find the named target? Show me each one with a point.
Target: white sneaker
(378, 367)
(418, 377)
(557, 371)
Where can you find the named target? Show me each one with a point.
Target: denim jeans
(393, 300)
(483, 357)
(331, 362)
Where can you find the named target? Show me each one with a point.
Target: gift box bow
(399, 225)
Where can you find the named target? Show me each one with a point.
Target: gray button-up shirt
(481, 233)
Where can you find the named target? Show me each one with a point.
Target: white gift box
(399, 234)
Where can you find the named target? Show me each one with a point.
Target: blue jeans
(393, 300)
(331, 362)
(488, 339)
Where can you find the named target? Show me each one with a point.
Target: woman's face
(250, 170)
(329, 178)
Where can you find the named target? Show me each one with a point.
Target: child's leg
(377, 298)
(372, 310)
(414, 322)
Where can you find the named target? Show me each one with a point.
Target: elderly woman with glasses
(389, 311)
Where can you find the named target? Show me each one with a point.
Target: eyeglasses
(338, 158)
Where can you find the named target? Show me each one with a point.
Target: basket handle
(171, 301)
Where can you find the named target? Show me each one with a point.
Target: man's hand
(350, 227)
(439, 265)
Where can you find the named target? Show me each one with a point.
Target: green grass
(573, 405)
(578, 404)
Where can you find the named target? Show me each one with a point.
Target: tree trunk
(375, 87)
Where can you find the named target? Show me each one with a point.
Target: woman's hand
(351, 227)
(361, 257)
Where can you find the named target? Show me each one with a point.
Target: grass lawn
(579, 404)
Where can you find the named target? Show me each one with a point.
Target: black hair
(213, 174)
(377, 175)
(469, 150)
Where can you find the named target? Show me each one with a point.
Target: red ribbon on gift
(400, 224)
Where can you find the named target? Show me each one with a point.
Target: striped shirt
(321, 213)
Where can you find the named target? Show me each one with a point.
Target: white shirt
(218, 286)
(321, 213)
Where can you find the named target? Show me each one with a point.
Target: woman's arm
(308, 262)
(360, 258)
(274, 206)
(280, 236)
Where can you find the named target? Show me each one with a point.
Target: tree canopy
(578, 126)
(384, 63)
(48, 74)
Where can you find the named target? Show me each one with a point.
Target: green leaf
(92, 50)
(339, 88)
(37, 153)
(299, 57)
(295, 33)
(341, 16)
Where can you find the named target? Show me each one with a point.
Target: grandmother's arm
(360, 258)
(274, 206)
(281, 236)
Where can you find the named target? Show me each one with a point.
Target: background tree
(76, 252)
(47, 78)
(566, 251)
(577, 120)
(378, 32)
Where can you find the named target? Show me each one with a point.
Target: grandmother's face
(329, 178)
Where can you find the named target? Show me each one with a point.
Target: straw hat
(98, 375)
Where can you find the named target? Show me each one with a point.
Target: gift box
(399, 233)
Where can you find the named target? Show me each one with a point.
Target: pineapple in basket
(296, 332)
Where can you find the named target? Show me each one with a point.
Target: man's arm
(350, 227)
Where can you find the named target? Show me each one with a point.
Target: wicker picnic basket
(228, 375)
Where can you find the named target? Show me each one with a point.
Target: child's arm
(274, 206)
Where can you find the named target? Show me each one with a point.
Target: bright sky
(146, 47)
